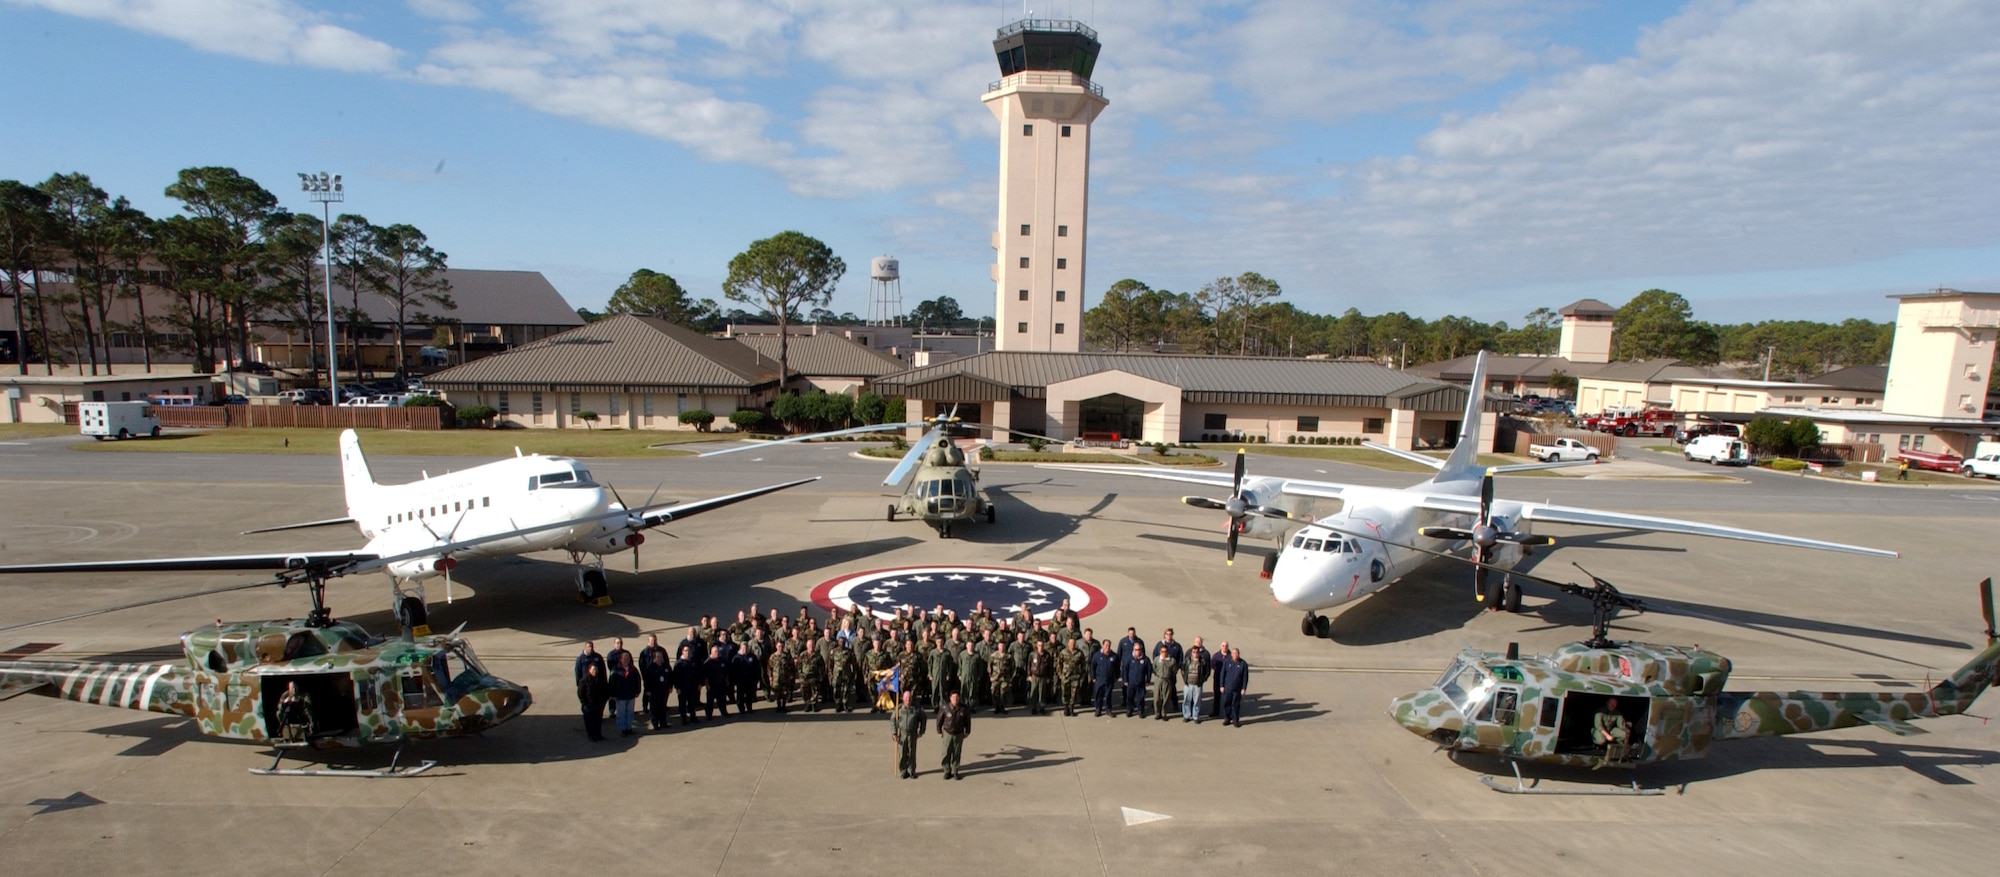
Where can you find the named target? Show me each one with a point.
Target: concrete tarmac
(1317, 780)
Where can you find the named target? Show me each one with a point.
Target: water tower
(885, 292)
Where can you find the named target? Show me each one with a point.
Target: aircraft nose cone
(1427, 714)
(509, 701)
(1290, 585)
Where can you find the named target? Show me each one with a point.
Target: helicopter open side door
(334, 710)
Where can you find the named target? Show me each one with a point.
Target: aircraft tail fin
(354, 474)
(1463, 462)
(1957, 692)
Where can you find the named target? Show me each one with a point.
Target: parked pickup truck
(1987, 465)
(1563, 449)
(1936, 461)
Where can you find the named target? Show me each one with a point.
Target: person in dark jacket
(659, 681)
(715, 682)
(1138, 668)
(693, 646)
(1125, 657)
(1215, 681)
(614, 658)
(589, 658)
(954, 722)
(592, 691)
(1103, 674)
(645, 657)
(1235, 675)
(687, 685)
(743, 675)
(626, 684)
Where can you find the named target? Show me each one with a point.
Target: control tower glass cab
(1045, 104)
(1044, 44)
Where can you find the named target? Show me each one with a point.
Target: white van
(122, 420)
(1717, 450)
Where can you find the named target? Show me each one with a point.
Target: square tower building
(1045, 103)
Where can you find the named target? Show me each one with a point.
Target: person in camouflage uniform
(1001, 680)
(843, 677)
(907, 665)
(880, 659)
(1018, 651)
(971, 676)
(812, 678)
(1071, 666)
(784, 676)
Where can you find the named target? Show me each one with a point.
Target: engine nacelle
(418, 568)
(607, 538)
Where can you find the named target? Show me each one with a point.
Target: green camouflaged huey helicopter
(1543, 709)
(356, 690)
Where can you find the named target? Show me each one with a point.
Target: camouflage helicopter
(1669, 700)
(944, 491)
(351, 689)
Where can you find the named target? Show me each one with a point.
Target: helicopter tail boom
(158, 688)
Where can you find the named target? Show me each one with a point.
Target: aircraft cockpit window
(1298, 541)
(303, 645)
(1332, 545)
(1501, 707)
(454, 673)
(1312, 544)
(550, 479)
(583, 477)
(1462, 685)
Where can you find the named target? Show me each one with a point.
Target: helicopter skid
(393, 771)
(1520, 786)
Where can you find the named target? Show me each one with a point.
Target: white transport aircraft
(1382, 534)
(422, 529)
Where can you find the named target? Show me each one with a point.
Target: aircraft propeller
(1237, 507)
(1485, 537)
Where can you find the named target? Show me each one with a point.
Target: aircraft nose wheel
(1316, 625)
(892, 511)
(410, 613)
(592, 587)
(1510, 596)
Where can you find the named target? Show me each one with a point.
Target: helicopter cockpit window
(303, 645)
(451, 670)
(1501, 708)
(1462, 684)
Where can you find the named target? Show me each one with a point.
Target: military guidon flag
(882, 591)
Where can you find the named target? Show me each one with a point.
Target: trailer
(120, 420)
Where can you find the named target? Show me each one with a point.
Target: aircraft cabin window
(486, 502)
(1501, 707)
(1312, 544)
(1550, 706)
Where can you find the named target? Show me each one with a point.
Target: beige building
(42, 398)
(1586, 331)
(1176, 397)
(632, 372)
(1943, 354)
(1045, 103)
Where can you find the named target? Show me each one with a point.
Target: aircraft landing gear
(409, 609)
(1316, 625)
(892, 511)
(1510, 596)
(591, 585)
(944, 530)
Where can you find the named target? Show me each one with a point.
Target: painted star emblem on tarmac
(892, 583)
(956, 578)
(993, 578)
(75, 801)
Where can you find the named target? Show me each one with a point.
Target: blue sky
(1479, 157)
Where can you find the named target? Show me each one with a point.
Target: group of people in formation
(920, 659)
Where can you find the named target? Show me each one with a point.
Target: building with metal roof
(827, 361)
(631, 371)
(1182, 397)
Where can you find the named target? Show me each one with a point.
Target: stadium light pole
(326, 189)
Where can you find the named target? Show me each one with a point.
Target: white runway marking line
(1141, 817)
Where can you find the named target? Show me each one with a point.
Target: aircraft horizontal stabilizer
(1411, 456)
(1894, 726)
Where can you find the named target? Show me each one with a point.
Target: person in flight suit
(1610, 730)
(906, 724)
(954, 721)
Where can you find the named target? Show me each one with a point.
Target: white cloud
(273, 31)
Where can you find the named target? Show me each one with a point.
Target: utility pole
(1769, 353)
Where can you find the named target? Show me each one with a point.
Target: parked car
(1716, 449)
(1564, 449)
(253, 367)
(1987, 465)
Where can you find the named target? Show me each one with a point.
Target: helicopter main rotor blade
(155, 601)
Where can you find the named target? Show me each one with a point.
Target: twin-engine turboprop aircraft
(422, 529)
(1334, 560)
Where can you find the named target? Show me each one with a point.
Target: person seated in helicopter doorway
(1610, 730)
(295, 714)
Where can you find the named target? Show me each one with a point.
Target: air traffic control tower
(1045, 102)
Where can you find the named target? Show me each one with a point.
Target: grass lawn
(1358, 456)
(397, 442)
(1181, 458)
(1886, 474)
(35, 430)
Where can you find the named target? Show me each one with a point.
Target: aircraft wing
(216, 563)
(299, 526)
(657, 515)
(1211, 479)
(1555, 514)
